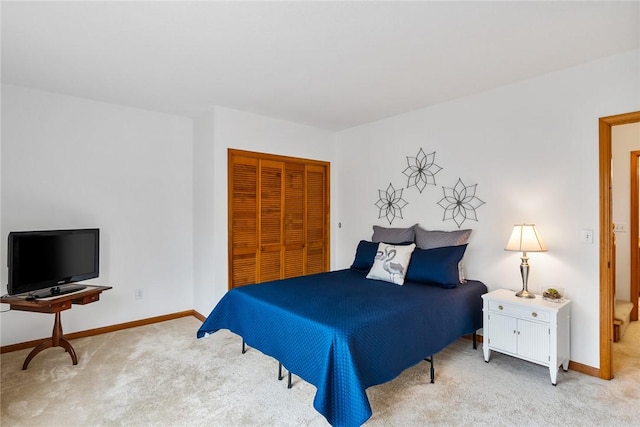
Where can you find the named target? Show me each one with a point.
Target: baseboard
(106, 329)
(479, 339)
(584, 369)
(575, 366)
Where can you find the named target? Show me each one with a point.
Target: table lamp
(524, 238)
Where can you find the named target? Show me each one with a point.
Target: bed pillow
(391, 263)
(429, 239)
(393, 235)
(436, 266)
(365, 252)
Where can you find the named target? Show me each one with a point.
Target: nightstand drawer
(522, 312)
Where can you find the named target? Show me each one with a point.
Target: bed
(343, 332)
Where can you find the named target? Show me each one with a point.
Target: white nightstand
(530, 329)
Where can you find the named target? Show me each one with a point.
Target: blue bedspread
(343, 333)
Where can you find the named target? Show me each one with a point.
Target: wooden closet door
(294, 215)
(243, 220)
(278, 217)
(271, 212)
(317, 220)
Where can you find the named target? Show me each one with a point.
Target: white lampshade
(524, 238)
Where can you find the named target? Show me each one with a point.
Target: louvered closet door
(271, 211)
(278, 217)
(317, 252)
(243, 220)
(294, 233)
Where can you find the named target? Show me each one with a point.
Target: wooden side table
(55, 305)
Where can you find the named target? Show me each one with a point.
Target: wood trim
(230, 154)
(327, 219)
(574, 366)
(199, 316)
(107, 329)
(606, 294)
(606, 239)
(634, 250)
(275, 157)
(584, 369)
(578, 367)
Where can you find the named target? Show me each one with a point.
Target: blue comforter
(344, 333)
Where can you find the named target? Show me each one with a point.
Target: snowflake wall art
(460, 203)
(390, 203)
(421, 170)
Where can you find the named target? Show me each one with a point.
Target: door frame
(606, 239)
(634, 249)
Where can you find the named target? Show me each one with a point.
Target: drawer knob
(534, 314)
(500, 307)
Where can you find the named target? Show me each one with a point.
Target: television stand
(56, 291)
(55, 305)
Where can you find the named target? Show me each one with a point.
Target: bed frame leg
(244, 347)
(433, 371)
(475, 340)
(280, 376)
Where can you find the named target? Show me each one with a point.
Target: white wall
(72, 163)
(532, 150)
(157, 187)
(205, 204)
(243, 131)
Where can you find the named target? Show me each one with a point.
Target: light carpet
(161, 375)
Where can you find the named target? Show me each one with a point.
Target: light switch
(586, 236)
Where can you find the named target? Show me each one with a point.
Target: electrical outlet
(138, 294)
(620, 227)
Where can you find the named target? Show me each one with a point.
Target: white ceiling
(332, 65)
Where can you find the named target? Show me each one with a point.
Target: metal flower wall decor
(460, 203)
(390, 203)
(421, 170)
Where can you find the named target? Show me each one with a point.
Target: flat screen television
(42, 263)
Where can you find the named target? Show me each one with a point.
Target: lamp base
(525, 294)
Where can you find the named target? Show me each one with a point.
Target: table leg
(57, 340)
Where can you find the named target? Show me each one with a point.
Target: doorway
(634, 219)
(606, 239)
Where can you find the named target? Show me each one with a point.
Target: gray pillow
(393, 235)
(429, 239)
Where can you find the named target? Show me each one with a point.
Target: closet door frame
(233, 153)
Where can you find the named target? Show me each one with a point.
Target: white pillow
(391, 263)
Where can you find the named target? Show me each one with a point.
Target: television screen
(48, 259)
